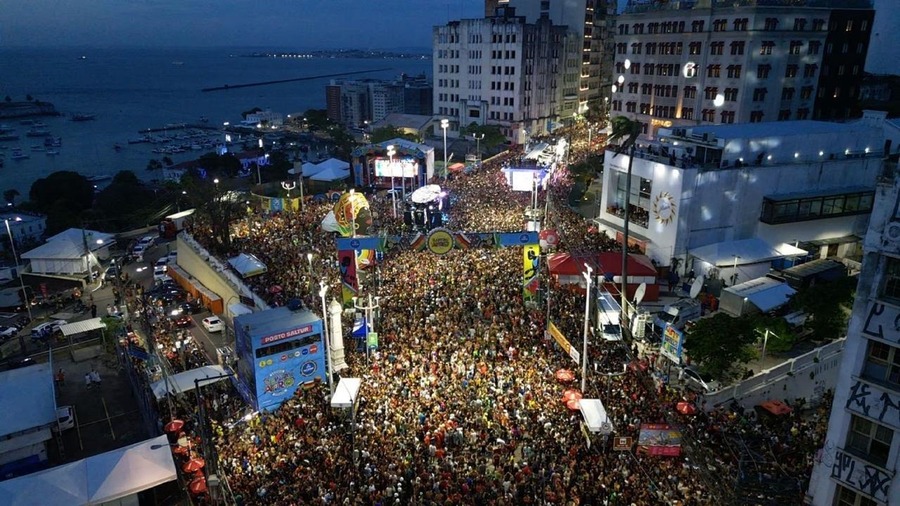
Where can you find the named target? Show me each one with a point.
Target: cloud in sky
(265, 23)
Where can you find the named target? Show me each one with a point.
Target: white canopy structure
(96, 480)
(346, 393)
(73, 251)
(71, 329)
(247, 265)
(595, 416)
(333, 163)
(27, 399)
(331, 174)
(760, 294)
(184, 381)
(744, 251)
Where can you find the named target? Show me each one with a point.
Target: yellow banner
(560, 338)
(531, 257)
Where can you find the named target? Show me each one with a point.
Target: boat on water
(52, 152)
(83, 117)
(9, 137)
(17, 154)
(38, 148)
(38, 132)
(26, 122)
(5, 129)
(117, 147)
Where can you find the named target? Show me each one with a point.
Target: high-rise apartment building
(591, 23)
(717, 61)
(354, 103)
(844, 62)
(858, 464)
(503, 71)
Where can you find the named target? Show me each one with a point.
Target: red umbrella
(193, 465)
(173, 426)
(570, 395)
(573, 404)
(197, 486)
(275, 289)
(181, 451)
(686, 408)
(565, 375)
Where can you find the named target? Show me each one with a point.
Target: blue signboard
(279, 350)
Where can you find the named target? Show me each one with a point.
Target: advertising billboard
(399, 167)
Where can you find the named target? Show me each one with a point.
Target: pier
(279, 81)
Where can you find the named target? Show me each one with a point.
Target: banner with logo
(672, 343)
(659, 439)
(347, 266)
(531, 257)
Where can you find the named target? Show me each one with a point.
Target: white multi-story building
(858, 463)
(502, 71)
(25, 228)
(808, 184)
(591, 23)
(713, 61)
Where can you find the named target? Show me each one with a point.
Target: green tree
(317, 119)
(493, 137)
(828, 305)
(215, 203)
(154, 164)
(223, 166)
(10, 196)
(125, 203)
(62, 186)
(167, 161)
(720, 342)
(389, 132)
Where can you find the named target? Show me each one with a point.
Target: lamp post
(444, 124)
(323, 289)
(369, 323)
(309, 257)
(478, 139)
(587, 309)
(734, 273)
(12, 245)
(765, 345)
(390, 153)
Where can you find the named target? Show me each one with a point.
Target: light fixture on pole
(444, 124)
(587, 309)
(734, 272)
(309, 257)
(390, 153)
(478, 138)
(288, 186)
(25, 299)
(323, 289)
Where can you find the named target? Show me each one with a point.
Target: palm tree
(626, 132)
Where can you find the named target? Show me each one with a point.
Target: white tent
(331, 174)
(184, 381)
(595, 416)
(247, 265)
(346, 393)
(73, 251)
(310, 169)
(744, 252)
(71, 329)
(95, 480)
(333, 163)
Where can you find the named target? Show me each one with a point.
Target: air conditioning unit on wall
(891, 235)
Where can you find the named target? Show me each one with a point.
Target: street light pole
(367, 311)
(587, 309)
(478, 139)
(309, 257)
(390, 153)
(12, 245)
(323, 289)
(444, 124)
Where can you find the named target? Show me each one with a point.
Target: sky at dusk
(285, 24)
(265, 23)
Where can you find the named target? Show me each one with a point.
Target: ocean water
(131, 90)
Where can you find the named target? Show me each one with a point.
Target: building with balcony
(808, 184)
(503, 71)
(859, 462)
(716, 61)
(592, 24)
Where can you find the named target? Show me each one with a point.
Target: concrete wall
(196, 263)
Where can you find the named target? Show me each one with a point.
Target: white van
(678, 314)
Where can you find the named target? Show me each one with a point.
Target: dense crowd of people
(461, 403)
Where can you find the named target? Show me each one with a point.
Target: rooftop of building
(777, 129)
(20, 216)
(642, 6)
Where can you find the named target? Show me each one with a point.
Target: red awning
(564, 264)
(776, 407)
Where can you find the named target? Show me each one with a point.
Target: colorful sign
(347, 266)
(659, 439)
(563, 342)
(372, 340)
(284, 335)
(439, 241)
(351, 212)
(285, 361)
(623, 443)
(672, 343)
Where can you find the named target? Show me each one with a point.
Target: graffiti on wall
(873, 402)
(860, 475)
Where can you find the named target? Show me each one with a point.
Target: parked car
(184, 321)
(162, 261)
(65, 417)
(46, 329)
(111, 273)
(7, 333)
(138, 253)
(172, 257)
(213, 324)
(23, 362)
(160, 273)
(192, 307)
(703, 382)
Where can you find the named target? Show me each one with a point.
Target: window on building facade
(766, 47)
(740, 25)
(632, 87)
(795, 47)
(784, 115)
(791, 70)
(697, 26)
(806, 92)
(813, 47)
(882, 364)
(731, 94)
(844, 496)
(869, 440)
(734, 71)
(849, 26)
(771, 24)
(818, 25)
(759, 94)
(727, 116)
(687, 113)
(690, 92)
(803, 113)
(708, 115)
(694, 48)
(716, 48)
(799, 24)
(890, 287)
(809, 70)
(787, 93)
(756, 116)
(710, 92)
(737, 47)
(720, 25)
(651, 48)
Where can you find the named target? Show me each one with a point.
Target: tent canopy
(565, 264)
(331, 174)
(27, 398)
(746, 251)
(247, 265)
(346, 393)
(776, 407)
(332, 163)
(184, 381)
(95, 480)
(71, 329)
(764, 293)
(71, 244)
(595, 416)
